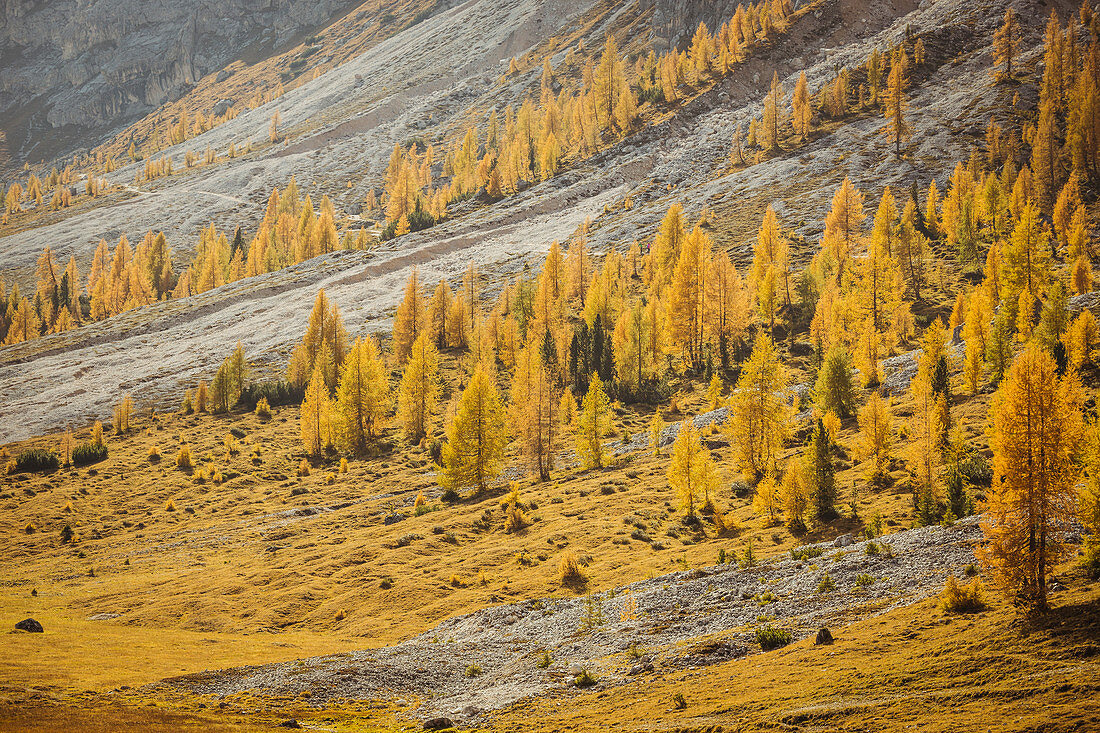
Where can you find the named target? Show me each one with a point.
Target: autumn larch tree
(419, 390)
(363, 395)
(773, 115)
(534, 410)
(410, 318)
(842, 226)
(474, 452)
(315, 418)
(802, 112)
(1037, 425)
(876, 429)
(325, 342)
(760, 408)
(897, 101)
(691, 473)
(592, 424)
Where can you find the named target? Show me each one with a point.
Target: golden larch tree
(419, 391)
(1037, 426)
(476, 438)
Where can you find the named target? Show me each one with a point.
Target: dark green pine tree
(823, 473)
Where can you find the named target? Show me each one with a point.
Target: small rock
(29, 624)
(393, 519)
(824, 636)
(438, 724)
(1055, 587)
(292, 723)
(843, 540)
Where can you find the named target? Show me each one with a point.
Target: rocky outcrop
(98, 64)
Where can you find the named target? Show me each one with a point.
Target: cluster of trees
(54, 190)
(518, 147)
(881, 82)
(130, 277)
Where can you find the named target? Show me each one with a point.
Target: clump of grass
(330, 479)
(30, 528)
(569, 569)
(232, 445)
(474, 670)
(772, 637)
(959, 598)
(863, 580)
(170, 506)
(679, 702)
(303, 468)
(971, 570)
(455, 581)
(154, 454)
(341, 615)
(386, 583)
(544, 661)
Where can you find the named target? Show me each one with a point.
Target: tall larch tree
(534, 411)
(687, 297)
(1037, 426)
(843, 226)
(897, 101)
(759, 419)
(410, 319)
(802, 112)
(773, 121)
(419, 391)
(691, 473)
(315, 417)
(592, 424)
(476, 438)
(363, 395)
(1006, 45)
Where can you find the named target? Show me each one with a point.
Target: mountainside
(421, 83)
(509, 365)
(77, 71)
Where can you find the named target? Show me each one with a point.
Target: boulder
(438, 724)
(393, 519)
(843, 540)
(292, 723)
(29, 624)
(824, 636)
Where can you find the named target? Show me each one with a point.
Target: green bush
(771, 637)
(585, 679)
(88, 453)
(36, 459)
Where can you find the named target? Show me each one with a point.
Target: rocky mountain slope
(85, 68)
(422, 82)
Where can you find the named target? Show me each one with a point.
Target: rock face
(29, 624)
(98, 64)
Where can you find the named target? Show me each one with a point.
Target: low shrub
(88, 453)
(772, 637)
(263, 409)
(959, 598)
(544, 661)
(36, 460)
(474, 670)
(585, 679)
(863, 580)
(183, 459)
(826, 584)
(569, 569)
